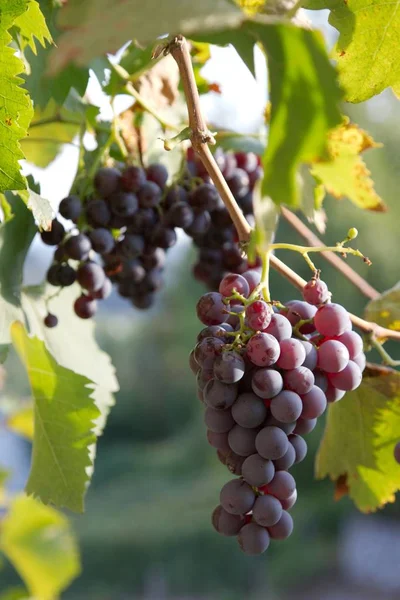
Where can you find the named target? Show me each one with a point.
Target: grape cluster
(265, 375)
(218, 251)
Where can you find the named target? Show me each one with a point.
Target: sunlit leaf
(344, 174)
(304, 105)
(15, 105)
(64, 415)
(361, 432)
(39, 542)
(40, 207)
(30, 25)
(385, 310)
(368, 48)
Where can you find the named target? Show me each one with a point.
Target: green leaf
(50, 129)
(73, 344)
(5, 209)
(368, 48)
(39, 542)
(16, 237)
(385, 310)
(345, 174)
(238, 142)
(64, 415)
(304, 96)
(15, 593)
(266, 215)
(108, 25)
(15, 105)
(134, 62)
(40, 207)
(357, 447)
(30, 25)
(240, 39)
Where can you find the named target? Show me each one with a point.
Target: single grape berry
(299, 380)
(123, 204)
(353, 343)
(314, 403)
(91, 276)
(97, 213)
(332, 320)
(55, 236)
(102, 240)
(283, 528)
(249, 410)
(85, 307)
(219, 395)
(50, 321)
(104, 292)
(158, 174)
(286, 406)
(70, 208)
(204, 198)
(211, 309)
(333, 356)
(180, 215)
(218, 421)
(253, 277)
(267, 511)
(258, 315)
(257, 471)
(286, 461)
(234, 282)
(292, 354)
(263, 349)
(282, 485)
(106, 181)
(132, 178)
(316, 292)
(226, 523)
(280, 327)
(242, 440)
(348, 379)
(271, 443)
(78, 246)
(253, 539)
(237, 497)
(66, 275)
(266, 383)
(163, 237)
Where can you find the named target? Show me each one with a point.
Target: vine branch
(200, 138)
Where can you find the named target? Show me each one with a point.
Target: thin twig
(201, 137)
(335, 260)
(367, 326)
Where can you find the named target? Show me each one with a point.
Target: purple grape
(194, 366)
(85, 307)
(299, 380)
(91, 276)
(216, 331)
(280, 327)
(248, 410)
(204, 198)
(149, 195)
(304, 426)
(158, 174)
(233, 320)
(98, 214)
(78, 247)
(50, 321)
(316, 292)
(237, 497)
(314, 403)
(239, 183)
(218, 421)
(292, 354)
(208, 349)
(286, 406)
(282, 486)
(288, 503)
(283, 528)
(267, 511)
(242, 440)
(211, 309)
(267, 383)
(229, 367)
(174, 195)
(102, 240)
(287, 460)
(180, 215)
(333, 356)
(106, 181)
(348, 379)
(234, 282)
(200, 224)
(286, 427)
(321, 380)
(360, 361)
(257, 471)
(299, 310)
(272, 443)
(219, 395)
(263, 349)
(333, 394)
(226, 523)
(124, 204)
(253, 278)
(234, 462)
(55, 236)
(353, 343)
(132, 178)
(70, 208)
(300, 447)
(253, 539)
(332, 320)
(218, 440)
(311, 355)
(204, 376)
(164, 237)
(104, 292)
(258, 315)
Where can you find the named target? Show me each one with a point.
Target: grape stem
(201, 136)
(312, 240)
(200, 139)
(386, 358)
(305, 250)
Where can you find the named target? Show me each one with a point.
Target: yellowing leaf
(385, 310)
(368, 48)
(21, 422)
(345, 174)
(15, 105)
(64, 415)
(360, 435)
(39, 542)
(30, 25)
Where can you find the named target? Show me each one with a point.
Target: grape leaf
(345, 174)
(30, 25)
(239, 142)
(368, 48)
(40, 207)
(385, 310)
(39, 542)
(240, 39)
(16, 237)
(304, 105)
(99, 26)
(64, 415)
(360, 435)
(15, 105)
(73, 344)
